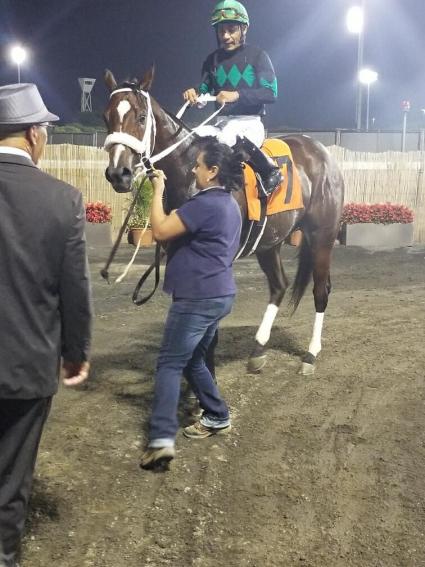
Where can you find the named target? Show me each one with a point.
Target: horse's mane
(178, 121)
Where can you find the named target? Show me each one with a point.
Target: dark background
(315, 57)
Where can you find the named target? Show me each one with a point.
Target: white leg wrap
(263, 333)
(316, 340)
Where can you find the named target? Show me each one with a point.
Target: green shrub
(142, 208)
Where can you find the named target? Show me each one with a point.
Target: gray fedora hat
(22, 105)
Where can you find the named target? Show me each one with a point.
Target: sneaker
(157, 458)
(200, 431)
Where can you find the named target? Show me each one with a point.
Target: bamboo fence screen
(84, 168)
(369, 178)
(396, 177)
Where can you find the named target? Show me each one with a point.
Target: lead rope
(120, 278)
(104, 272)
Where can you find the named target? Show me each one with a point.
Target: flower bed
(382, 225)
(380, 213)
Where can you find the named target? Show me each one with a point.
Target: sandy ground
(318, 471)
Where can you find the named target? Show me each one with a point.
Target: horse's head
(131, 129)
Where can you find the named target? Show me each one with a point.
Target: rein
(156, 264)
(143, 147)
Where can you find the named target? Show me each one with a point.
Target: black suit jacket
(44, 280)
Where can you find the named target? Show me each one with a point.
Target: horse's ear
(146, 83)
(110, 80)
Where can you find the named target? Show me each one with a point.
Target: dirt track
(322, 471)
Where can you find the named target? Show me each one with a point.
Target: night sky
(314, 55)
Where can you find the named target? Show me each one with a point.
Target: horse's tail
(304, 272)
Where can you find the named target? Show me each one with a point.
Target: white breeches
(227, 128)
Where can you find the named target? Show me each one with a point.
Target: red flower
(98, 212)
(381, 213)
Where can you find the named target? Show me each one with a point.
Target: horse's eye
(142, 118)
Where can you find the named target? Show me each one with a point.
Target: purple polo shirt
(199, 263)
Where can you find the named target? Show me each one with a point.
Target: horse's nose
(120, 178)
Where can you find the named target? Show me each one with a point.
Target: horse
(139, 127)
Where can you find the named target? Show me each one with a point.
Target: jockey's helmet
(229, 11)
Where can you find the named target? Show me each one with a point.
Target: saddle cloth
(288, 196)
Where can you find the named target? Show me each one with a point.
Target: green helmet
(229, 11)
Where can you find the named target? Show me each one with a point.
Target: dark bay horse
(138, 127)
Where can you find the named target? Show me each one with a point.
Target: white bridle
(145, 146)
(142, 147)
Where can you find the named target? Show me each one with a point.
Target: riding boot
(269, 174)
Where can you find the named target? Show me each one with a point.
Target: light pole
(355, 24)
(18, 55)
(367, 77)
(405, 106)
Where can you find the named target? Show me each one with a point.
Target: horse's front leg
(321, 291)
(271, 264)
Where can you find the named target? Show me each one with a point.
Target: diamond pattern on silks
(234, 76)
(203, 88)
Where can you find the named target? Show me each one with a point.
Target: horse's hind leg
(321, 291)
(271, 264)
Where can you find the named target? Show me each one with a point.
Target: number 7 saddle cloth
(288, 196)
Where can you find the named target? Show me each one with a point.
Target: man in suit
(45, 312)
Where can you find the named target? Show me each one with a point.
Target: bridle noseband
(144, 147)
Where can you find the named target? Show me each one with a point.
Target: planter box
(371, 235)
(134, 234)
(98, 234)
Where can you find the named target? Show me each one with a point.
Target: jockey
(242, 77)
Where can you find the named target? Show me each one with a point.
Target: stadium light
(18, 55)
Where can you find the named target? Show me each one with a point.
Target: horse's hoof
(307, 369)
(257, 363)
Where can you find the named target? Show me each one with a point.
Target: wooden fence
(369, 178)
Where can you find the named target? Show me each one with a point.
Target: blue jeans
(189, 330)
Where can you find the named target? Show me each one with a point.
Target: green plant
(142, 208)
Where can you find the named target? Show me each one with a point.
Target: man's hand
(191, 95)
(75, 373)
(227, 96)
